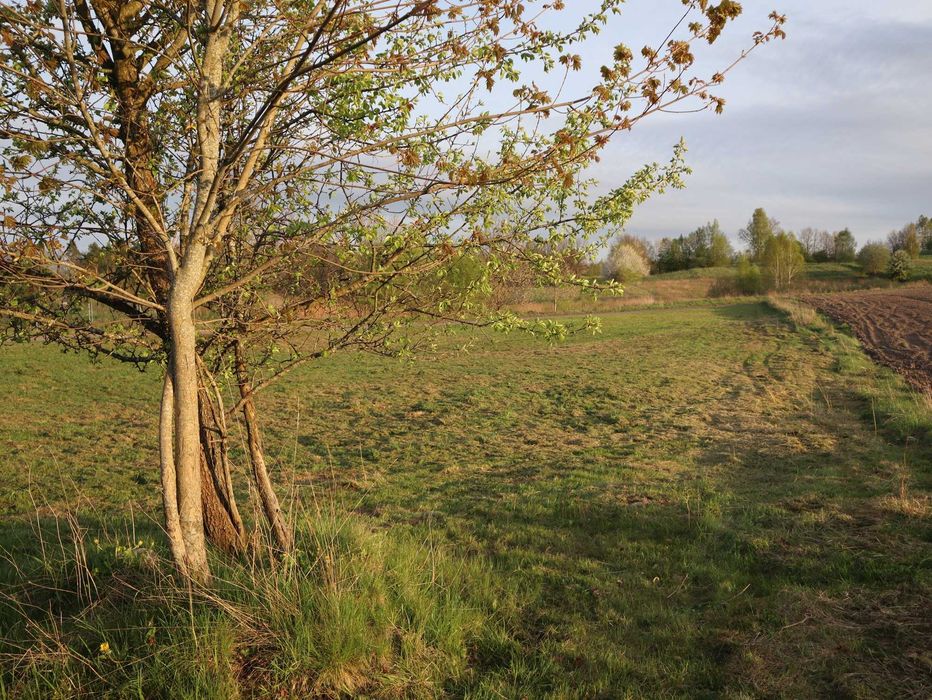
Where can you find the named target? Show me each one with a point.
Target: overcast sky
(830, 128)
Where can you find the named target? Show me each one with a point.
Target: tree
(924, 224)
(627, 260)
(845, 246)
(707, 246)
(217, 149)
(760, 229)
(825, 248)
(783, 260)
(908, 239)
(874, 258)
(644, 247)
(901, 264)
(812, 241)
(720, 251)
(671, 255)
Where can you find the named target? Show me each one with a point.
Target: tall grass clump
(354, 611)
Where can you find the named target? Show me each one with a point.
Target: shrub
(900, 266)
(874, 258)
(748, 277)
(626, 262)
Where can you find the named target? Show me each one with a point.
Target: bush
(900, 266)
(874, 258)
(626, 263)
(822, 256)
(749, 278)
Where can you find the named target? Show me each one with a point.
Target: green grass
(833, 277)
(833, 271)
(696, 273)
(710, 501)
(352, 604)
(850, 273)
(711, 285)
(922, 269)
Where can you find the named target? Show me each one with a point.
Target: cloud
(830, 129)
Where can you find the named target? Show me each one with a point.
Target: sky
(831, 128)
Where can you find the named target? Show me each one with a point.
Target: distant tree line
(707, 246)
(915, 238)
(772, 257)
(895, 256)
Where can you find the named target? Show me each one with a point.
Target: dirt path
(895, 327)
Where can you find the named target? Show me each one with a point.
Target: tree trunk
(187, 432)
(169, 483)
(192, 438)
(270, 504)
(222, 521)
(138, 157)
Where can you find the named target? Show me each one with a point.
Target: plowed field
(895, 327)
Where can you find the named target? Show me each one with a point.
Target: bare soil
(895, 327)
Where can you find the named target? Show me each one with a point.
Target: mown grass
(702, 501)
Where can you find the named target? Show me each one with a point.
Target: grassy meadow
(701, 285)
(718, 500)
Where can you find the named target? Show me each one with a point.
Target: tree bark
(222, 522)
(270, 504)
(187, 431)
(134, 91)
(188, 277)
(168, 475)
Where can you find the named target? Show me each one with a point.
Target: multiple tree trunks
(222, 523)
(197, 490)
(222, 520)
(270, 504)
(187, 437)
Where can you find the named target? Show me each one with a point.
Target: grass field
(712, 501)
(707, 283)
